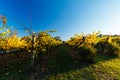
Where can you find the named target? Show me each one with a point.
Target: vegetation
(107, 68)
(82, 57)
(92, 44)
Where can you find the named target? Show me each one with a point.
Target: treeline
(88, 46)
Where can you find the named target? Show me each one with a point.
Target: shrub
(115, 49)
(88, 53)
(110, 48)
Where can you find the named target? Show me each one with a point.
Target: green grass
(106, 68)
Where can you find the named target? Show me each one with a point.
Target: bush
(88, 53)
(115, 49)
(110, 48)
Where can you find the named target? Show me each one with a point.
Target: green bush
(104, 48)
(109, 48)
(88, 53)
(115, 49)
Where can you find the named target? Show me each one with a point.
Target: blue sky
(68, 17)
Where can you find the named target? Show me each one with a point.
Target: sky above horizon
(68, 17)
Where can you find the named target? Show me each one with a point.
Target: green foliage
(87, 52)
(107, 46)
(60, 60)
(116, 49)
(85, 44)
(91, 44)
(44, 41)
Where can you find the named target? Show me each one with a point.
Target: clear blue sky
(68, 17)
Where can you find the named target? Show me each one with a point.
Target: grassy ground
(61, 67)
(102, 70)
(106, 68)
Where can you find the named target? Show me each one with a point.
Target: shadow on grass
(63, 63)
